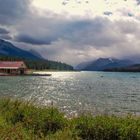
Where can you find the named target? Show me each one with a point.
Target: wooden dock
(33, 74)
(37, 74)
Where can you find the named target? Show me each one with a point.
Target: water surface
(79, 92)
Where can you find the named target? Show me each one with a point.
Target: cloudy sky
(73, 31)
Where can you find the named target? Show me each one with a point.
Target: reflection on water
(79, 92)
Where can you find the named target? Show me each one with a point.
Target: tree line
(39, 64)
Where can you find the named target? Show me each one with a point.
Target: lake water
(79, 92)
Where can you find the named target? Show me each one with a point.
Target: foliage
(108, 128)
(24, 121)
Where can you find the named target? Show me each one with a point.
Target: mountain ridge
(8, 49)
(101, 64)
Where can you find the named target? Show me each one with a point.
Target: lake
(79, 92)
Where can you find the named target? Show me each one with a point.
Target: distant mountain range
(101, 64)
(104, 63)
(8, 49)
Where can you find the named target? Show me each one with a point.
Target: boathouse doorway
(22, 72)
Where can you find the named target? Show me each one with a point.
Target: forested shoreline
(39, 64)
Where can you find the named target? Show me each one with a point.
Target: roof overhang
(11, 68)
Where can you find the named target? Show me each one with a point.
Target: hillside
(8, 49)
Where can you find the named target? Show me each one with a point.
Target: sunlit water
(79, 92)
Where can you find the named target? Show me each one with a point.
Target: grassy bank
(23, 121)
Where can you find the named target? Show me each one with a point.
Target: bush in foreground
(39, 121)
(24, 121)
(108, 128)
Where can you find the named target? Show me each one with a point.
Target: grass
(23, 121)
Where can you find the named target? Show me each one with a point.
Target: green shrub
(107, 128)
(41, 120)
(23, 121)
(130, 128)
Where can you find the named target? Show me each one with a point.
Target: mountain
(33, 60)
(82, 65)
(104, 63)
(8, 49)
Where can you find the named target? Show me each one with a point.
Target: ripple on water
(79, 92)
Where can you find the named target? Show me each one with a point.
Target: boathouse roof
(12, 64)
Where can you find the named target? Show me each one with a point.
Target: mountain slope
(104, 63)
(8, 49)
(33, 60)
(83, 65)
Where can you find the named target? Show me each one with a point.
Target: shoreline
(30, 74)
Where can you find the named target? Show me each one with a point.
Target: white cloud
(91, 8)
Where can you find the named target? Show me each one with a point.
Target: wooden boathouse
(12, 68)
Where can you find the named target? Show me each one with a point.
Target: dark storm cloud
(3, 31)
(96, 32)
(11, 10)
(130, 14)
(5, 36)
(32, 40)
(138, 2)
(80, 31)
(108, 13)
